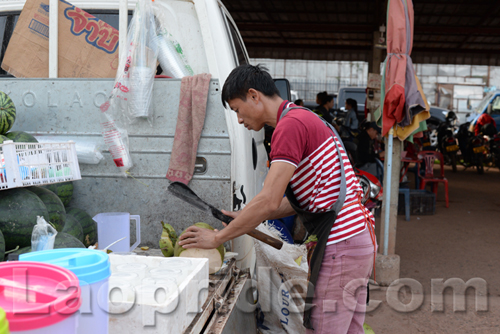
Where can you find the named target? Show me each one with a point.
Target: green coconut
(167, 240)
(215, 256)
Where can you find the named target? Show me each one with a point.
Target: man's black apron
(319, 224)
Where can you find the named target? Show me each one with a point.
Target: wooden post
(393, 213)
(374, 65)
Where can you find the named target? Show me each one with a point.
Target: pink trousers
(340, 292)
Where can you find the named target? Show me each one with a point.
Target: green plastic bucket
(4, 324)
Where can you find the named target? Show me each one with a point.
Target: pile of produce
(7, 114)
(19, 209)
(169, 244)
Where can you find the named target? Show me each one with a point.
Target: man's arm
(283, 211)
(268, 202)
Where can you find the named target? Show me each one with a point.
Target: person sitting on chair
(351, 118)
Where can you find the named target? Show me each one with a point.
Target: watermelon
(89, 226)
(63, 190)
(2, 246)
(73, 227)
(55, 207)
(64, 240)
(21, 137)
(19, 208)
(3, 138)
(7, 113)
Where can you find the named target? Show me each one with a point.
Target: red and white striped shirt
(303, 140)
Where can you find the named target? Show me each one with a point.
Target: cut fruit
(215, 256)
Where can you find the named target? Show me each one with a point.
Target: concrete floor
(461, 242)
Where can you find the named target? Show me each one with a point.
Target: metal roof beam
(308, 46)
(251, 46)
(319, 27)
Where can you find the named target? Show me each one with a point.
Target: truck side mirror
(283, 86)
(469, 106)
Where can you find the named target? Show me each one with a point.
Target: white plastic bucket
(92, 267)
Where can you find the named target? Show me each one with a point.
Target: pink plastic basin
(36, 295)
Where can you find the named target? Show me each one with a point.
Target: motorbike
(473, 148)
(372, 190)
(492, 138)
(447, 144)
(427, 142)
(495, 150)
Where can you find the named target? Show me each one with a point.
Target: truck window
(8, 23)
(495, 110)
(237, 43)
(360, 97)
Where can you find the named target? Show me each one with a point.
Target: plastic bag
(279, 273)
(171, 56)
(43, 235)
(131, 98)
(88, 151)
(143, 53)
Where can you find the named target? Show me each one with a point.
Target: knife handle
(273, 242)
(267, 239)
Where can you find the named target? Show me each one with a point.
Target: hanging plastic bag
(131, 98)
(279, 274)
(171, 56)
(143, 54)
(43, 235)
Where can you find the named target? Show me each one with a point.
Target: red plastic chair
(429, 157)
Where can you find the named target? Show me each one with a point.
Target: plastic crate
(422, 202)
(34, 164)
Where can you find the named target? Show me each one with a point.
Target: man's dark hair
(298, 101)
(244, 77)
(326, 99)
(353, 104)
(321, 97)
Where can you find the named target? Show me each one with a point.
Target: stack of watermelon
(7, 118)
(21, 206)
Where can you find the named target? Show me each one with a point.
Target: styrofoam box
(172, 314)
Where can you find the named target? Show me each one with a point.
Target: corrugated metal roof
(446, 31)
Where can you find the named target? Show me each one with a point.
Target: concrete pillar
(386, 269)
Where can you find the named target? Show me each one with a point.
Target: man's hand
(197, 237)
(232, 214)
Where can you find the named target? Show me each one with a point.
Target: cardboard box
(88, 47)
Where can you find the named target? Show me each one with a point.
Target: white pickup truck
(231, 161)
